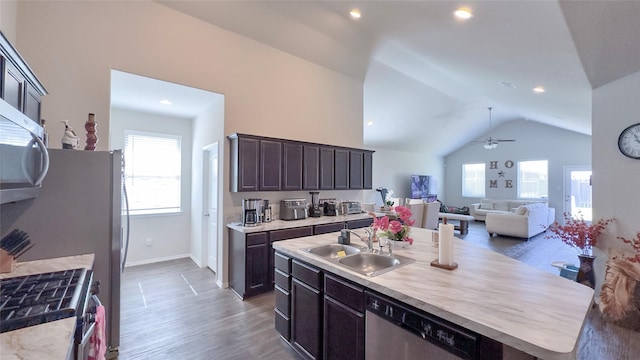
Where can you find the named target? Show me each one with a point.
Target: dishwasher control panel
(450, 337)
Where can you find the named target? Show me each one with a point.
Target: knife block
(7, 262)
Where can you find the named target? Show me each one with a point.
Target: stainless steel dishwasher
(395, 331)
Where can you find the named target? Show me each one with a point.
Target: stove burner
(36, 299)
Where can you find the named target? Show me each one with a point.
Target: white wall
(393, 170)
(534, 141)
(8, 12)
(170, 234)
(616, 178)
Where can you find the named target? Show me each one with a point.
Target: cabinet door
(32, 103)
(246, 152)
(270, 164)
(292, 166)
(367, 173)
(356, 166)
(327, 168)
(343, 331)
(13, 86)
(311, 167)
(341, 169)
(257, 261)
(306, 319)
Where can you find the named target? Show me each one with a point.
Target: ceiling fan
(491, 142)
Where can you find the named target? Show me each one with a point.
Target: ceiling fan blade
(503, 140)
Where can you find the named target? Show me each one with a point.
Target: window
(473, 180)
(533, 179)
(152, 172)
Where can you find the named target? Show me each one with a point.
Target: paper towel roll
(445, 250)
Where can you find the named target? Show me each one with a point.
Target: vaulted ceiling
(428, 74)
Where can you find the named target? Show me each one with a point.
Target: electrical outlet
(148, 241)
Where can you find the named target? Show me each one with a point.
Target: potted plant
(397, 230)
(583, 236)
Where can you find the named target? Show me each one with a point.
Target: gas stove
(40, 298)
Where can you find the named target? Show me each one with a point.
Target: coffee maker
(251, 212)
(314, 208)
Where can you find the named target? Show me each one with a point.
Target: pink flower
(381, 223)
(395, 226)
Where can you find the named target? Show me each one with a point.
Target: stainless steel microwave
(24, 160)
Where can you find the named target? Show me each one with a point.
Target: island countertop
(52, 340)
(531, 310)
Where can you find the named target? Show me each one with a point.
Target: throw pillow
(486, 205)
(522, 210)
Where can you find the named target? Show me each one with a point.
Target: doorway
(210, 221)
(577, 191)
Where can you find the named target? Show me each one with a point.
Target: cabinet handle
(45, 165)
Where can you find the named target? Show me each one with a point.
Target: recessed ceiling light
(355, 13)
(463, 13)
(539, 89)
(369, 123)
(165, 102)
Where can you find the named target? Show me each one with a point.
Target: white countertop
(50, 340)
(529, 309)
(289, 224)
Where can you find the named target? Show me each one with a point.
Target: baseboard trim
(157, 260)
(196, 261)
(222, 285)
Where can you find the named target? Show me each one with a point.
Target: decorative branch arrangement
(635, 244)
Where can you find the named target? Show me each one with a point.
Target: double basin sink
(358, 259)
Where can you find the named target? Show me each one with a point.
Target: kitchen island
(526, 309)
(52, 340)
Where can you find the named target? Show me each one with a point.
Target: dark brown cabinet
(267, 164)
(292, 166)
(270, 164)
(358, 224)
(341, 169)
(306, 310)
(327, 168)
(282, 309)
(343, 324)
(311, 167)
(327, 228)
(284, 234)
(19, 87)
(248, 260)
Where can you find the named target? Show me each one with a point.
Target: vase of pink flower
(397, 230)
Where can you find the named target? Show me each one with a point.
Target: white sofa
(525, 222)
(480, 210)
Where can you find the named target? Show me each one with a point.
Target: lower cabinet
(326, 316)
(248, 257)
(306, 310)
(343, 326)
(358, 224)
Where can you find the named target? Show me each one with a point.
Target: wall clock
(629, 141)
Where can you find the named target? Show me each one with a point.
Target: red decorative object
(92, 138)
(635, 243)
(577, 233)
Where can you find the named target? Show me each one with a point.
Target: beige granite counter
(284, 224)
(528, 309)
(51, 340)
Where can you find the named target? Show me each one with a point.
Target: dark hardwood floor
(174, 310)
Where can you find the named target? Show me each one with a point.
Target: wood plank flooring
(174, 310)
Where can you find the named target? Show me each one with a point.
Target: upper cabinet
(268, 164)
(19, 86)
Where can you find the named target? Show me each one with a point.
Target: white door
(211, 217)
(577, 191)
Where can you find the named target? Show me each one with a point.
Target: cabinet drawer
(307, 274)
(282, 263)
(357, 224)
(345, 292)
(257, 239)
(283, 325)
(283, 301)
(281, 279)
(327, 228)
(291, 233)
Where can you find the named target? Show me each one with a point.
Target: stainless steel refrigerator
(79, 211)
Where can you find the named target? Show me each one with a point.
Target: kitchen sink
(372, 264)
(332, 250)
(358, 259)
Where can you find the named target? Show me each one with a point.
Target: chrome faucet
(368, 241)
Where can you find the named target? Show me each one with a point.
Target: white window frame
(544, 194)
(171, 207)
(468, 192)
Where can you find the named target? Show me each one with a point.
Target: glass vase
(586, 274)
